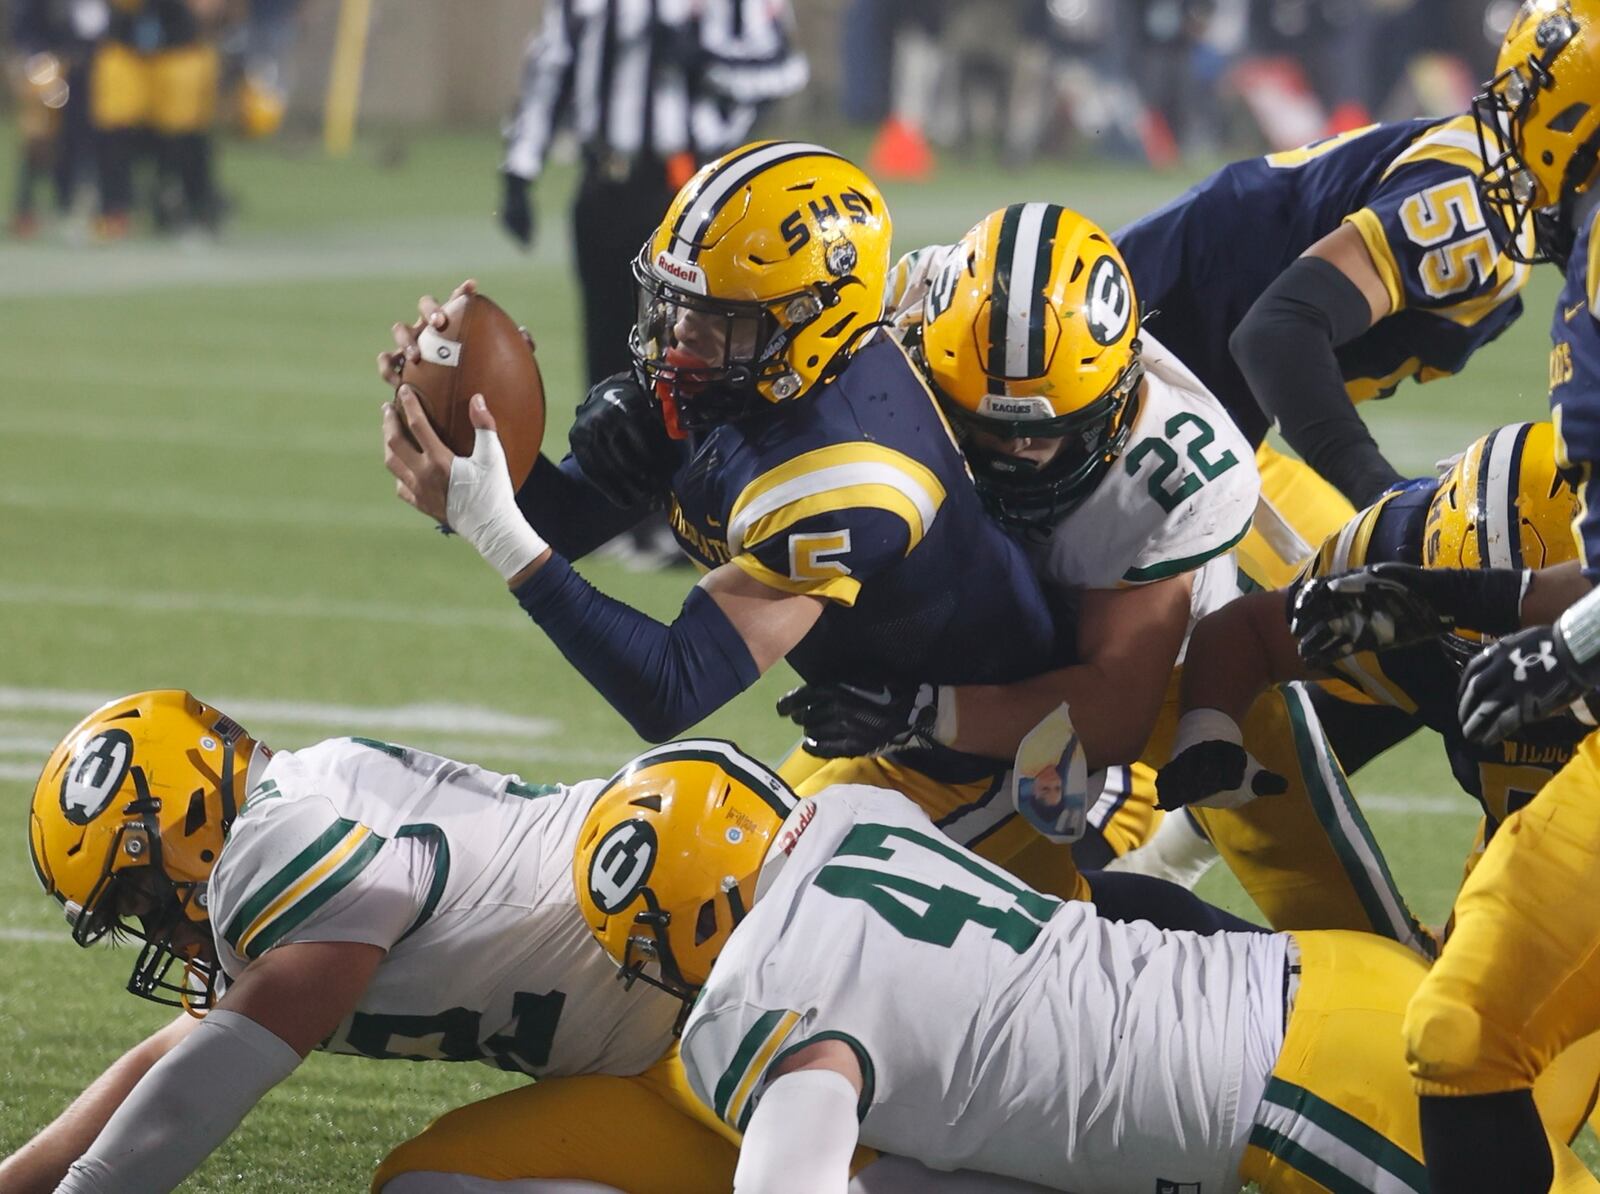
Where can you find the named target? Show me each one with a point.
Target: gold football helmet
(127, 821)
(668, 857)
(1031, 331)
(1543, 108)
(768, 267)
(1503, 504)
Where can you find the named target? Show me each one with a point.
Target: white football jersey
(1180, 496)
(997, 1029)
(464, 877)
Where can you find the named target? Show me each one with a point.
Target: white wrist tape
(801, 1137)
(1580, 627)
(183, 1108)
(1205, 725)
(482, 509)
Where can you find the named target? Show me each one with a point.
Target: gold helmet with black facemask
(765, 273)
(127, 821)
(1538, 122)
(669, 855)
(1031, 331)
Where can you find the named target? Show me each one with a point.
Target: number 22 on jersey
(972, 893)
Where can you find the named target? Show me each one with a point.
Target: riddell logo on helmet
(791, 836)
(687, 274)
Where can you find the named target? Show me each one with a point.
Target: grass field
(192, 494)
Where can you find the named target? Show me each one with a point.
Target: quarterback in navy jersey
(804, 465)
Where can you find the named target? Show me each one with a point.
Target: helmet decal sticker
(620, 865)
(96, 775)
(1110, 302)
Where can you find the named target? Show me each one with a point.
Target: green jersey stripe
(1347, 830)
(441, 870)
(1165, 568)
(1341, 1125)
(301, 909)
(742, 1057)
(291, 872)
(869, 1072)
(1304, 1161)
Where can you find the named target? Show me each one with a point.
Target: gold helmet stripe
(1022, 271)
(722, 184)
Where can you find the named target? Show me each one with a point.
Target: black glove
(1372, 609)
(620, 442)
(516, 215)
(1520, 679)
(1215, 774)
(845, 721)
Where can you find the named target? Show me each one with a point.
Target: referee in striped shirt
(650, 88)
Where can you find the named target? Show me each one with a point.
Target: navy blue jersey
(859, 495)
(1422, 680)
(1410, 189)
(1575, 387)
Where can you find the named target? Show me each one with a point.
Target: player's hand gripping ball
(479, 349)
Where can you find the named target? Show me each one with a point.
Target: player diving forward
(855, 976)
(1131, 486)
(1297, 284)
(360, 898)
(804, 465)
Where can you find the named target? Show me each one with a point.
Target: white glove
(482, 508)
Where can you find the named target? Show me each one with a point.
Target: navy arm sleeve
(662, 679)
(1284, 347)
(568, 512)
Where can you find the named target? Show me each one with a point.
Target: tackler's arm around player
(1128, 640)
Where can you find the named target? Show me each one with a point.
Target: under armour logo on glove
(1545, 657)
(1502, 690)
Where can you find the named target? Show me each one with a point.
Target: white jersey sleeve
(996, 1028)
(1182, 493)
(464, 877)
(295, 870)
(911, 282)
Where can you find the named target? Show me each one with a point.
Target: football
(481, 351)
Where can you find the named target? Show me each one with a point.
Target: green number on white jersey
(947, 909)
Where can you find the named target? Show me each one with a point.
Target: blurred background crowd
(117, 103)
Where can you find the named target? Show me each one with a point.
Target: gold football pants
(173, 92)
(1296, 512)
(1519, 978)
(1340, 1114)
(647, 1135)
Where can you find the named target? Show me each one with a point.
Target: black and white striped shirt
(661, 77)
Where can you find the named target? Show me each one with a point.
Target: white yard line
(238, 604)
(440, 717)
(453, 249)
